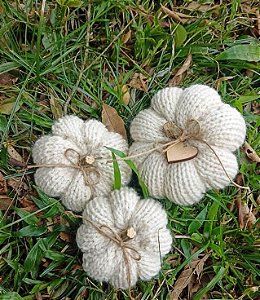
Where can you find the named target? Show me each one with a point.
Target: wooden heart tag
(181, 152)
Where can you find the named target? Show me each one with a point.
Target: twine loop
(84, 163)
(178, 135)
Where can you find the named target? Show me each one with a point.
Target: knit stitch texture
(71, 141)
(103, 259)
(221, 126)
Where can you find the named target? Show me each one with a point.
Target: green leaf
(249, 52)
(185, 244)
(33, 259)
(180, 36)
(3, 123)
(133, 167)
(211, 218)
(53, 255)
(117, 173)
(26, 216)
(70, 3)
(11, 296)
(198, 221)
(31, 230)
(8, 66)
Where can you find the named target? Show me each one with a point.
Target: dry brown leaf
(181, 283)
(5, 202)
(246, 217)
(178, 77)
(220, 80)
(19, 186)
(199, 267)
(14, 155)
(194, 5)
(3, 185)
(250, 152)
(27, 204)
(126, 94)
(56, 108)
(7, 79)
(139, 82)
(112, 120)
(187, 276)
(126, 37)
(256, 108)
(65, 237)
(171, 14)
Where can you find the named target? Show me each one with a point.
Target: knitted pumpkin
(203, 126)
(123, 238)
(74, 159)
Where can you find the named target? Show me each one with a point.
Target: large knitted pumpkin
(123, 238)
(206, 128)
(75, 161)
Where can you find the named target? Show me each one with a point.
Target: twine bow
(85, 165)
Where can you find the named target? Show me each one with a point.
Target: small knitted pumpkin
(74, 159)
(123, 238)
(203, 124)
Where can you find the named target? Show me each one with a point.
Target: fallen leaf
(139, 82)
(65, 237)
(186, 276)
(181, 283)
(256, 108)
(27, 204)
(7, 105)
(220, 80)
(3, 185)
(19, 186)
(246, 217)
(178, 77)
(112, 120)
(7, 79)
(250, 152)
(13, 154)
(56, 108)
(199, 266)
(194, 5)
(5, 202)
(127, 36)
(171, 14)
(126, 94)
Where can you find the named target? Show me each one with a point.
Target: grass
(72, 55)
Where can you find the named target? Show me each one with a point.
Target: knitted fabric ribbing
(221, 126)
(103, 259)
(79, 138)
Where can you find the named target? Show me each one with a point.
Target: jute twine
(120, 240)
(85, 163)
(192, 131)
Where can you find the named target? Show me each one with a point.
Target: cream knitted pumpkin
(127, 241)
(197, 109)
(75, 156)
